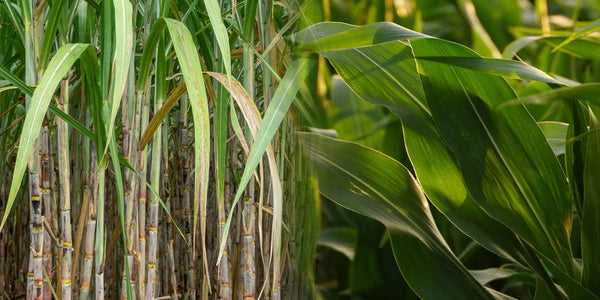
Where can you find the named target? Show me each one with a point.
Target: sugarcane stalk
(45, 193)
(66, 239)
(99, 244)
(88, 250)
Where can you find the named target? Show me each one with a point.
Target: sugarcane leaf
(373, 184)
(254, 121)
(281, 101)
(20, 84)
(508, 167)
(161, 114)
(58, 67)
(214, 14)
(191, 68)
(122, 58)
(56, 9)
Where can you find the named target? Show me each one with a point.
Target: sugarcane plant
(129, 172)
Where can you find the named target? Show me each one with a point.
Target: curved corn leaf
(502, 67)
(192, 74)
(375, 185)
(556, 134)
(585, 48)
(386, 75)
(509, 168)
(587, 91)
(595, 26)
(58, 67)
(343, 37)
(590, 223)
(341, 239)
(486, 276)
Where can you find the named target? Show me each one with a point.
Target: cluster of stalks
(90, 225)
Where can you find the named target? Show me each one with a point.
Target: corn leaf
(373, 184)
(590, 224)
(386, 75)
(508, 167)
(595, 26)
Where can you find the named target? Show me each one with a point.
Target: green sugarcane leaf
(192, 75)
(122, 59)
(58, 68)
(280, 103)
(56, 10)
(373, 184)
(20, 84)
(214, 14)
(508, 167)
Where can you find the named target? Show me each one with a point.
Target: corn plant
(474, 151)
(127, 158)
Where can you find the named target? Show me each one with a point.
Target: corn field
(134, 139)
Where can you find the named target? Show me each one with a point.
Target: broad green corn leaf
(508, 167)
(502, 67)
(341, 239)
(486, 276)
(587, 91)
(346, 37)
(58, 67)
(590, 224)
(373, 184)
(386, 75)
(556, 134)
